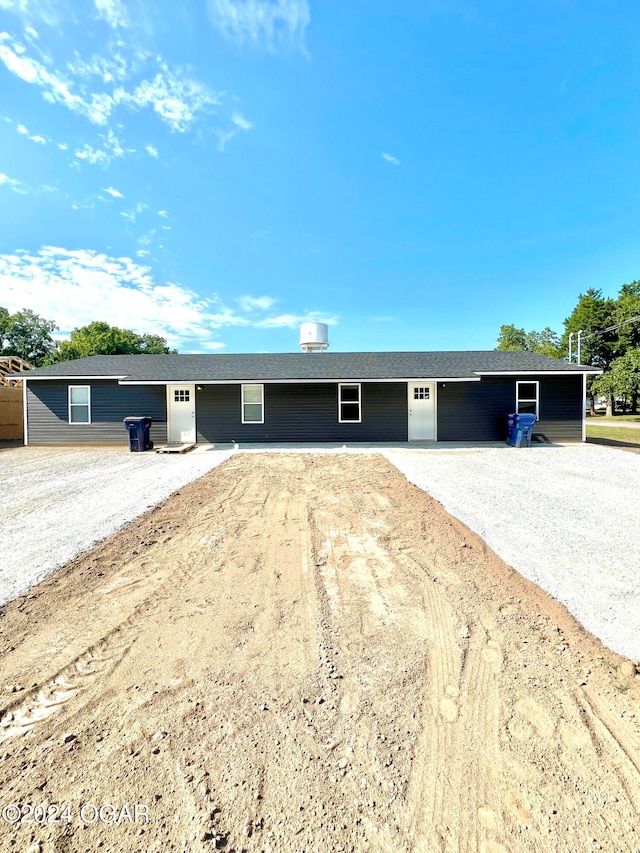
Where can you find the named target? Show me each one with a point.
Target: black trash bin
(138, 429)
(520, 430)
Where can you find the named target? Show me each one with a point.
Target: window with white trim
(349, 404)
(79, 404)
(181, 395)
(253, 404)
(528, 398)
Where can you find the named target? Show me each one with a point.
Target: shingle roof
(305, 366)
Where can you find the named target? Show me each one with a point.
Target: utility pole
(579, 333)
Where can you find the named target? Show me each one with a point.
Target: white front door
(181, 410)
(422, 411)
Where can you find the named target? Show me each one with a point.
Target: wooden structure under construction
(10, 365)
(11, 400)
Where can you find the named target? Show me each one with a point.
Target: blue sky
(219, 171)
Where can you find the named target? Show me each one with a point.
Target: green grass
(630, 436)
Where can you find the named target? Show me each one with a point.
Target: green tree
(623, 377)
(4, 325)
(99, 338)
(546, 342)
(627, 306)
(154, 345)
(592, 314)
(511, 338)
(26, 335)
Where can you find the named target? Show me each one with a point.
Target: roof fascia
(247, 380)
(80, 376)
(537, 372)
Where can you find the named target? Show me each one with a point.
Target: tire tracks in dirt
(303, 652)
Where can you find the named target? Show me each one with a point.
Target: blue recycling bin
(520, 430)
(138, 429)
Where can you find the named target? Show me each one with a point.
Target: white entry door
(181, 410)
(422, 411)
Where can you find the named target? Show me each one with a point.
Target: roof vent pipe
(314, 337)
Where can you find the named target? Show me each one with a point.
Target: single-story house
(351, 396)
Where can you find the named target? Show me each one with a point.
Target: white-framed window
(349, 411)
(253, 404)
(421, 393)
(181, 395)
(79, 404)
(528, 398)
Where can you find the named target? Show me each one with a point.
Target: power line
(611, 328)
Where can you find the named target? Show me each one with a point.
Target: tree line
(610, 340)
(29, 336)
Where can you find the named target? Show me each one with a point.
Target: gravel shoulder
(566, 517)
(305, 652)
(56, 503)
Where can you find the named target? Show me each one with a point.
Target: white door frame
(170, 404)
(434, 395)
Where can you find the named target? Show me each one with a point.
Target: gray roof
(305, 366)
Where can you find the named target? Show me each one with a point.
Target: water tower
(314, 337)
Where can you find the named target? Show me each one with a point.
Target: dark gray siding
(48, 419)
(477, 411)
(303, 413)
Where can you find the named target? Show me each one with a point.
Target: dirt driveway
(306, 653)
(55, 502)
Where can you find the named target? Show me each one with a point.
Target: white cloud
(251, 303)
(271, 24)
(55, 88)
(18, 6)
(163, 214)
(25, 189)
(43, 10)
(152, 151)
(147, 239)
(241, 122)
(113, 12)
(108, 69)
(393, 160)
(24, 132)
(175, 98)
(293, 320)
(223, 138)
(7, 181)
(113, 192)
(62, 146)
(111, 150)
(76, 287)
(129, 214)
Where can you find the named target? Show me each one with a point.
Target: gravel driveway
(566, 517)
(56, 503)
